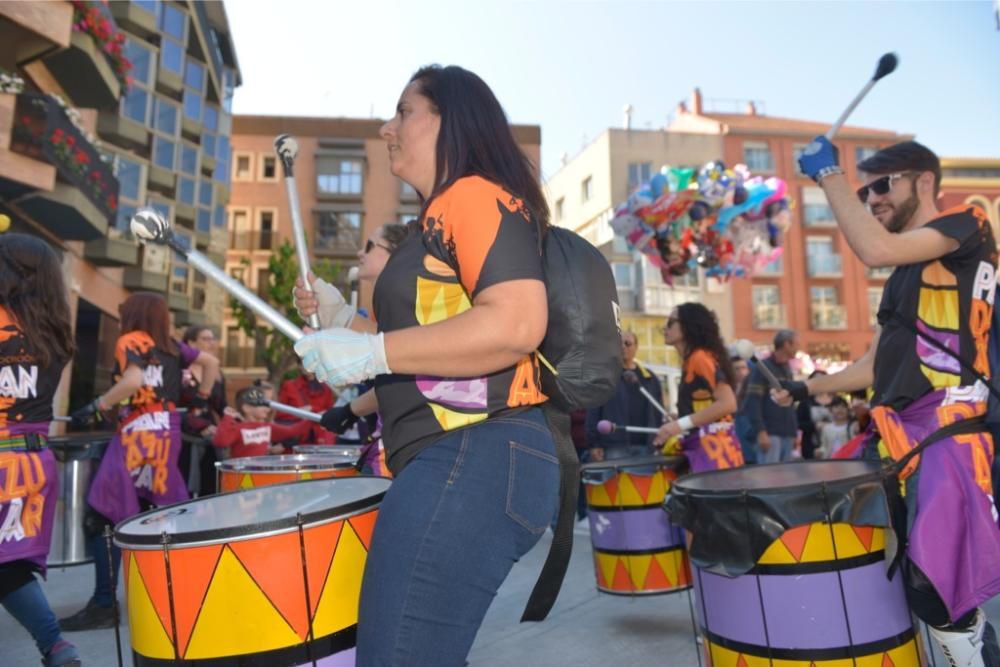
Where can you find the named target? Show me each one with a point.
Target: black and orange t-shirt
(474, 235)
(701, 375)
(161, 373)
(26, 387)
(949, 300)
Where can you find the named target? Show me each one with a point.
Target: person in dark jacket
(628, 407)
(775, 426)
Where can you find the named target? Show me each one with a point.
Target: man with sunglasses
(627, 407)
(923, 365)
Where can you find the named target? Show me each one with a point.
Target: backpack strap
(911, 325)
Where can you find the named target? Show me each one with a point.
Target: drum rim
(635, 462)
(250, 530)
(682, 484)
(329, 462)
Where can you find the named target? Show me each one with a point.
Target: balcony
(92, 70)
(84, 200)
(111, 251)
(34, 29)
(137, 279)
(824, 266)
(828, 317)
(769, 316)
(122, 131)
(134, 18)
(242, 357)
(661, 299)
(253, 240)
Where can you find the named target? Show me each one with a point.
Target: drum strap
(890, 480)
(543, 596)
(32, 442)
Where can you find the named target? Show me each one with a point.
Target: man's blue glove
(341, 357)
(820, 159)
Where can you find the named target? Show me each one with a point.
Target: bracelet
(828, 171)
(686, 423)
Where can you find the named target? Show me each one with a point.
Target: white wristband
(686, 423)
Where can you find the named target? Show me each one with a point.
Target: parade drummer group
(458, 312)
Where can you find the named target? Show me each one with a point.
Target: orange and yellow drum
(268, 576)
(637, 551)
(789, 566)
(253, 471)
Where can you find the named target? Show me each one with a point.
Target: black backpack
(581, 354)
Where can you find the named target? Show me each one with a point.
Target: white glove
(332, 309)
(341, 357)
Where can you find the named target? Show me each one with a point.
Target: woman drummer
(461, 306)
(139, 467)
(36, 342)
(705, 398)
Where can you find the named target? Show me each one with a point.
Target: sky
(571, 67)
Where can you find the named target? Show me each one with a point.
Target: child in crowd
(253, 433)
(835, 433)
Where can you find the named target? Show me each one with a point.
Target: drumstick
(632, 378)
(745, 349)
(295, 412)
(604, 427)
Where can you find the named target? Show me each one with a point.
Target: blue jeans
(781, 449)
(103, 593)
(450, 528)
(31, 609)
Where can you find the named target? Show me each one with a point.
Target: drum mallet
(352, 278)
(886, 66)
(632, 378)
(150, 227)
(604, 427)
(287, 148)
(295, 412)
(745, 349)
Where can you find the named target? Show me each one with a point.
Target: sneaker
(63, 654)
(91, 617)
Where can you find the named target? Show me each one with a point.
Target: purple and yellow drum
(790, 567)
(268, 576)
(253, 471)
(637, 551)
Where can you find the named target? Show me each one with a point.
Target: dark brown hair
(701, 332)
(901, 157)
(394, 233)
(33, 292)
(147, 311)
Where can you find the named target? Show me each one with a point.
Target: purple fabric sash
(29, 487)
(954, 536)
(140, 462)
(712, 447)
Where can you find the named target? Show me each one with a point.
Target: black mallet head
(150, 227)
(886, 66)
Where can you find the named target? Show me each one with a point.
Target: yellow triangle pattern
(450, 420)
(437, 301)
(902, 656)
(819, 548)
(149, 638)
(637, 568)
(605, 564)
(939, 308)
(597, 495)
(338, 603)
(673, 563)
(305, 475)
(246, 482)
(236, 618)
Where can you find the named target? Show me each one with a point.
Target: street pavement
(585, 629)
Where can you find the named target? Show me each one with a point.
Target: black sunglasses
(879, 186)
(371, 245)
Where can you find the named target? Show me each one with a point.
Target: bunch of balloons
(722, 220)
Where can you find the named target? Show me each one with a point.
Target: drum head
(287, 463)
(636, 462)
(267, 509)
(777, 476)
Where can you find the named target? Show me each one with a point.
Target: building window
(239, 220)
(242, 167)
(797, 151)
(862, 153)
(163, 152)
(559, 208)
(827, 313)
(131, 189)
(206, 193)
(189, 160)
(821, 260)
(165, 120)
(185, 191)
(173, 27)
(263, 282)
(265, 229)
(768, 313)
(757, 156)
(194, 89)
(816, 211)
(338, 231)
(222, 157)
(874, 300)
(148, 5)
(623, 275)
(639, 173)
(268, 168)
(586, 189)
(339, 176)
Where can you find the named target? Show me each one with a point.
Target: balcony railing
(253, 240)
(661, 299)
(880, 273)
(829, 317)
(346, 241)
(769, 316)
(824, 265)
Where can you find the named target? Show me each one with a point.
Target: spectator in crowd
(775, 427)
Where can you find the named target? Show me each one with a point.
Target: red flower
(70, 141)
(81, 157)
